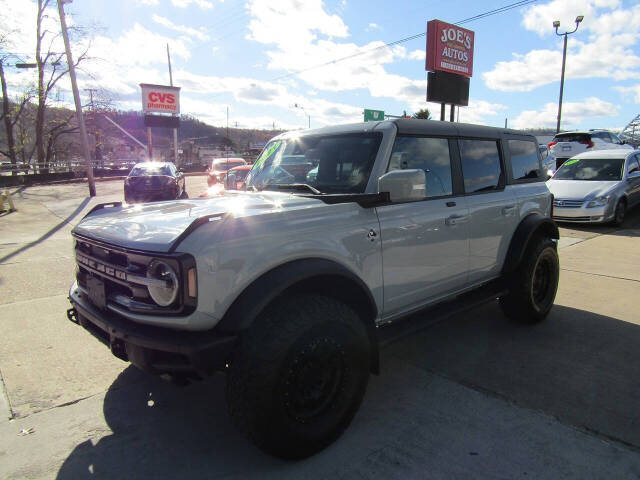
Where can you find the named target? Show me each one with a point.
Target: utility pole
(556, 24)
(175, 130)
(76, 99)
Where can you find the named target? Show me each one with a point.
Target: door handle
(456, 220)
(509, 210)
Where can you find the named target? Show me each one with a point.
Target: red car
(232, 180)
(235, 177)
(219, 167)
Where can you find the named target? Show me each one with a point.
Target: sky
(259, 58)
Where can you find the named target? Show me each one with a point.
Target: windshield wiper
(298, 186)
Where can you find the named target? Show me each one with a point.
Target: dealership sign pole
(160, 99)
(450, 64)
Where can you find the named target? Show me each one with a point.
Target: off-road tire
(299, 347)
(533, 286)
(620, 213)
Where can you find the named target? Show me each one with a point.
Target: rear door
(425, 244)
(493, 207)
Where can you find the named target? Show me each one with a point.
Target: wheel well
(312, 276)
(530, 227)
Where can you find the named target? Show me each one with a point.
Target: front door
(424, 243)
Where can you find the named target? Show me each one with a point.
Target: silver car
(596, 187)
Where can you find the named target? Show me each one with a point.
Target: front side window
(428, 154)
(481, 167)
(524, 159)
(329, 163)
(632, 164)
(591, 169)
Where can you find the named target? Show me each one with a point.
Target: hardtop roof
(412, 126)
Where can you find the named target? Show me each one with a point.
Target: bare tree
(50, 70)
(11, 111)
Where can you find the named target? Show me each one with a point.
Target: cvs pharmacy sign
(160, 98)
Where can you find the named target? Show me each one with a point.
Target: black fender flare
(313, 275)
(528, 227)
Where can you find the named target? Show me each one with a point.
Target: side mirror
(404, 185)
(633, 175)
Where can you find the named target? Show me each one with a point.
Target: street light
(556, 25)
(305, 112)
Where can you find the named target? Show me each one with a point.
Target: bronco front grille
(116, 265)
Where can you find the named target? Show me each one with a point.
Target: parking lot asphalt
(473, 396)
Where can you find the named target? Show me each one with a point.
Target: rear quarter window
(525, 163)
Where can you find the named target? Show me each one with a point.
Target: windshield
(329, 163)
(594, 169)
(139, 170)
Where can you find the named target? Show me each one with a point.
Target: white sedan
(596, 187)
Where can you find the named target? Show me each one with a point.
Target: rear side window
(481, 167)
(428, 154)
(524, 160)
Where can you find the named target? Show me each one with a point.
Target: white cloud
(204, 4)
(165, 22)
(373, 26)
(539, 18)
(573, 113)
(297, 31)
(417, 55)
(609, 52)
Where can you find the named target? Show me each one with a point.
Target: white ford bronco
(287, 286)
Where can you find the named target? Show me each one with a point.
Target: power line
(488, 13)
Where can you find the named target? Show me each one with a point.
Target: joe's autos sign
(449, 48)
(160, 98)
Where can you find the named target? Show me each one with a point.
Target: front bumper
(157, 350)
(583, 214)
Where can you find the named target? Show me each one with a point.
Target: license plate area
(96, 292)
(566, 148)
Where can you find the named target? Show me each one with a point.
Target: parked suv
(286, 287)
(567, 144)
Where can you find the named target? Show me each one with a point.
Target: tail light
(551, 144)
(588, 143)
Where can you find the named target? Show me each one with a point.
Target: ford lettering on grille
(107, 270)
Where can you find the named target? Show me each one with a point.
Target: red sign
(160, 98)
(449, 48)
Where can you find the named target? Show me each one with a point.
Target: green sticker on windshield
(266, 154)
(571, 162)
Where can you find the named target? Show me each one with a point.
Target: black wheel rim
(542, 281)
(314, 379)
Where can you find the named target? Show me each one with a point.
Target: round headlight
(167, 294)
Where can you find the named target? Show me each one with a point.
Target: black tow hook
(72, 315)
